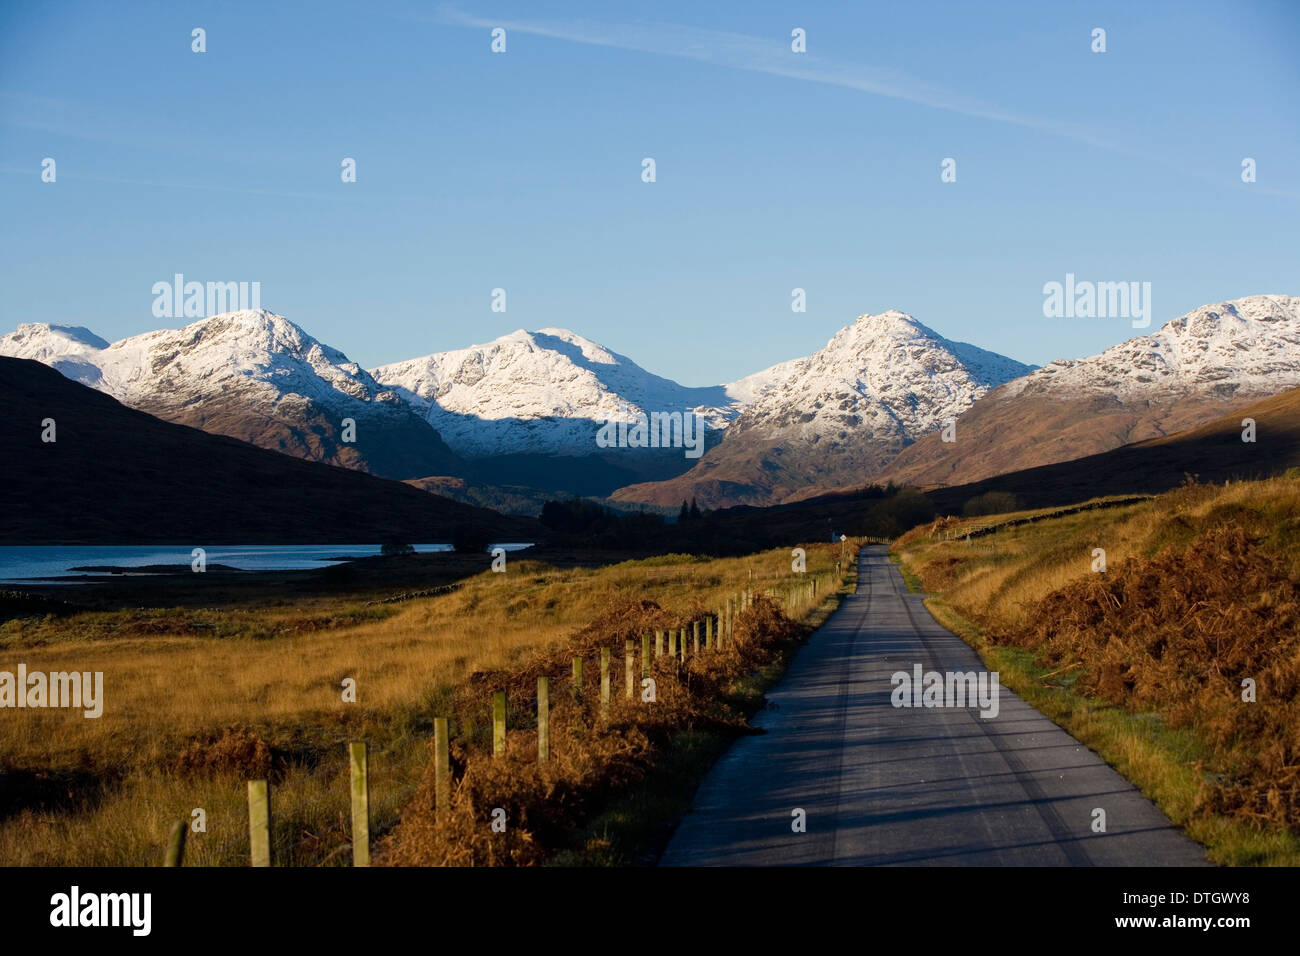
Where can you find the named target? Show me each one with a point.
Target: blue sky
(522, 170)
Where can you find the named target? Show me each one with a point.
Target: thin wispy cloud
(770, 55)
(35, 172)
(64, 117)
(72, 119)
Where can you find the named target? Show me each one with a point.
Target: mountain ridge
(560, 385)
(524, 410)
(251, 375)
(877, 385)
(1194, 368)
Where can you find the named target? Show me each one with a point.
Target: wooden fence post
(577, 678)
(672, 642)
(629, 664)
(441, 767)
(696, 648)
(358, 759)
(645, 655)
(659, 643)
(604, 679)
(543, 719)
(499, 724)
(259, 823)
(708, 631)
(681, 644)
(176, 844)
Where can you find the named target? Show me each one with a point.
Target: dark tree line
(602, 526)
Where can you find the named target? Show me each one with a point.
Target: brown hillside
(1002, 434)
(1213, 451)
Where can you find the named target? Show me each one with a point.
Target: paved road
(891, 785)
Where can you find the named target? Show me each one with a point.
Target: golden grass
(105, 790)
(595, 751)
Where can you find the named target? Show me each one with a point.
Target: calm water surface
(20, 563)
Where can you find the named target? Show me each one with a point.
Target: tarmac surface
(880, 784)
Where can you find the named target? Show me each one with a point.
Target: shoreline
(375, 577)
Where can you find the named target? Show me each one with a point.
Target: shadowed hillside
(1215, 452)
(118, 476)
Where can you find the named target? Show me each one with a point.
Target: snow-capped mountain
(251, 375)
(838, 414)
(525, 409)
(1190, 371)
(543, 392)
(1248, 346)
(70, 349)
(884, 377)
(745, 391)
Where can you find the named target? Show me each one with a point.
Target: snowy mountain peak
(256, 323)
(836, 417)
(256, 334)
(544, 391)
(1244, 346)
(886, 319)
(253, 344)
(70, 349)
(252, 375)
(591, 351)
(885, 377)
(884, 330)
(72, 334)
(556, 339)
(1254, 317)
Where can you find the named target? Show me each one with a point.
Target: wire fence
(363, 800)
(970, 531)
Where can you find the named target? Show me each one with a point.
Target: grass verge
(910, 579)
(1131, 672)
(634, 828)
